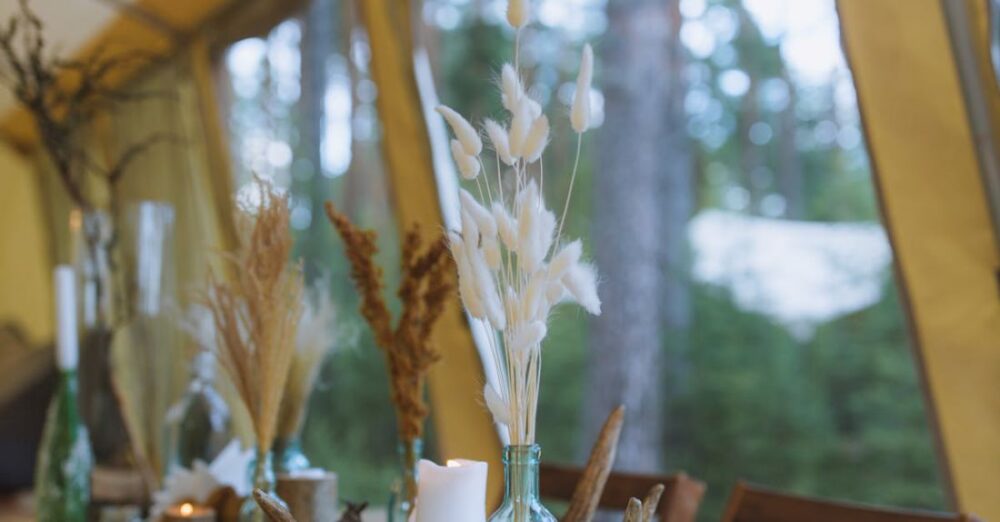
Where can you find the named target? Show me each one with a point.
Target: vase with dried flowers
(256, 312)
(313, 342)
(513, 266)
(425, 286)
(63, 97)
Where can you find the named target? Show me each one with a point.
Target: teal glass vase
(404, 489)
(263, 479)
(288, 456)
(65, 460)
(521, 502)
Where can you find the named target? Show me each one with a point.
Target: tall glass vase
(521, 502)
(199, 424)
(263, 479)
(126, 270)
(404, 489)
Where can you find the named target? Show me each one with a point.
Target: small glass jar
(520, 501)
(404, 490)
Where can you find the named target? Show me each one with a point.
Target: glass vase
(264, 480)
(404, 490)
(521, 502)
(92, 234)
(288, 456)
(200, 423)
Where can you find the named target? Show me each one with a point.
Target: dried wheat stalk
(256, 314)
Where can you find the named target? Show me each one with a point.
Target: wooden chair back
(750, 503)
(679, 503)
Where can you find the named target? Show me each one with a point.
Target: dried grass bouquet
(513, 265)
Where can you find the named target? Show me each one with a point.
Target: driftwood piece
(651, 502)
(634, 511)
(588, 491)
(272, 508)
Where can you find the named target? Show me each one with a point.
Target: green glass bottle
(62, 474)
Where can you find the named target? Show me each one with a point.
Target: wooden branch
(634, 511)
(272, 507)
(588, 491)
(651, 502)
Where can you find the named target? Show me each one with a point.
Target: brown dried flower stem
(427, 282)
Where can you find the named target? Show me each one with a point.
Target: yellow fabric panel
(463, 427)
(126, 33)
(935, 209)
(25, 261)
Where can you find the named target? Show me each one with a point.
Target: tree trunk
(626, 356)
(316, 47)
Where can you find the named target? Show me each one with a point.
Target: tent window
(783, 350)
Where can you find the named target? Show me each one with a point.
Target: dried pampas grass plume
(256, 313)
(314, 340)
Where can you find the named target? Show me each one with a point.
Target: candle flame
(454, 464)
(187, 509)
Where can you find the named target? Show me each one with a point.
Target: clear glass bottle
(65, 461)
(404, 489)
(288, 456)
(521, 502)
(100, 297)
(263, 479)
(199, 424)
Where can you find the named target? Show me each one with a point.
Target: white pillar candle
(452, 493)
(67, 351)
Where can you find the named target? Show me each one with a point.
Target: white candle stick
(456, 492)
(67, 352)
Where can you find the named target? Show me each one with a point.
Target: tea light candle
(188, 512)
(453, 492)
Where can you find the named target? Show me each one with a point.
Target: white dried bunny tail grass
(506, 226)
(466, 286)
(497, 406)
(536, 140)
(528, 337)
(566, 258)
(536, 226)
(463, 130)
(511, 90)
(468, 166)
(498, 136)
(520, 126)
(581, 282)
(484, 220)
(517, 13)
(580, 115)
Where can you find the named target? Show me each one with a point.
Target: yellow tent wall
(935, 209)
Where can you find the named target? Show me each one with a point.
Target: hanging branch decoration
(513, 267)
(64, 97)
(426, 285)
(257, 313)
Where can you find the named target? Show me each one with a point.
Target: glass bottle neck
(263, 471)
(521, 472)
